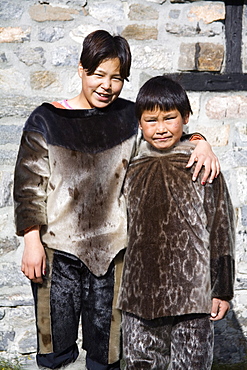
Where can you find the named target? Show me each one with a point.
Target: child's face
(102, 87)
(162, 129)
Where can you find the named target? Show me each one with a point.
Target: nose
(161, 128)
(106, 83)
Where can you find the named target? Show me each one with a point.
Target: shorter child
(179, 268)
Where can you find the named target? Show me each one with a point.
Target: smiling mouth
(162, 138)
(105, 96)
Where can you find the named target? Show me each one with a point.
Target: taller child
(68, 179)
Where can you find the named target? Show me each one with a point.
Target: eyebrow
(103, 71)
(171, 113)
(153, 115)
(146, 115)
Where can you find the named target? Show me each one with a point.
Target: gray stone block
(19, 105)
(11, 276)
(65, 56)
(10, 134)
(6, 183)
(27, 344)
(10, 10)
(8, 245)
(8, 157)
(5, 337)
(51, 34)
(244, 216)
(30, 56)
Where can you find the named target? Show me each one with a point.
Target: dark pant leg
(174, 343)
(94, 365)
(192, 343)
(101, 321)
(146, 343)
(58, 307)
(56, 360)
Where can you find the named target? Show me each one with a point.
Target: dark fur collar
(85, 130)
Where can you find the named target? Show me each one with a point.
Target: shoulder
(37, 121)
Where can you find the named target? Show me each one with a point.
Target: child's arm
(221, 226)
(219, 309)
(34, 258)
(204, 156)
(30, 193)
(32, 173)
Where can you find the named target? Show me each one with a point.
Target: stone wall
(40, 45)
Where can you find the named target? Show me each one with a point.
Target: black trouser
(71, 291)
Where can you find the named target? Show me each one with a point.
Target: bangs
(155, 102)
(162, 93)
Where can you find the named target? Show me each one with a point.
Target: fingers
(37, 281)
(192, 160)
(217, 167)
(198, 169)
(200, 162)
(214, 308)
(209, 172)
(34, 273)
(35, 277)
(44, 266)
(219, 309)
(211, 168)
(204, 157)
(34, 257)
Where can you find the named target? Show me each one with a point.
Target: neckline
(65, 102)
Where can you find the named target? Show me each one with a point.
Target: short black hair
(163, 93)
(99, 46)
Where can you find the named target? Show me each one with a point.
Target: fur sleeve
(31, 178)
(222, 239)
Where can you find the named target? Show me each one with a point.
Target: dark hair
(163, 93)
(99, 46)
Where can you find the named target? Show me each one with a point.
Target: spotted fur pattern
(180, 251)
(173, 343)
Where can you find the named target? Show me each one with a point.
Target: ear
(140, 126)
(80, 70)
(186, 119)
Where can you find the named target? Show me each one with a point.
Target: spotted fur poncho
(181, 237)
(68, 178)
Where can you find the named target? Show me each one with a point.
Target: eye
(150, 120)
(170, 118)
(118, 78)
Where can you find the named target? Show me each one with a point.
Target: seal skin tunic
(180, 250)
(68, 179)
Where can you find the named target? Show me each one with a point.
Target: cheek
(86, 85)
(176, 126)
(177, 129)
(148, 132)
(117, 88)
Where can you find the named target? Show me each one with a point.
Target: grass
(9, 364)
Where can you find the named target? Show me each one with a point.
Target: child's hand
(219, 309)
(34, 258)
(204, 156)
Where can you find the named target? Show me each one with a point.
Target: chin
(102, 104)
(161, 147)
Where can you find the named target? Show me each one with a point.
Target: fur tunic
(180, 251)
(68, 179)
